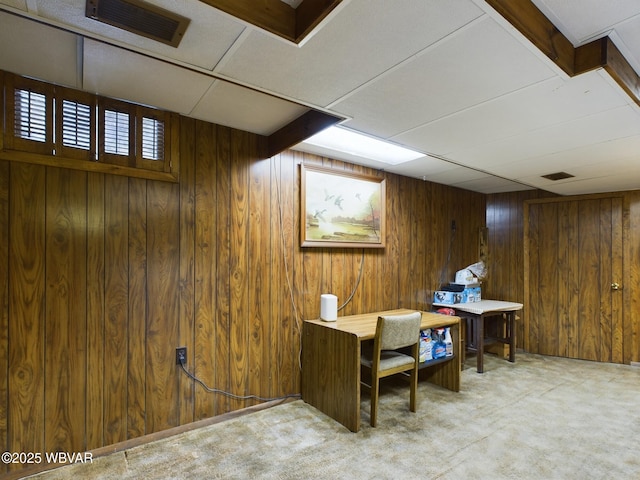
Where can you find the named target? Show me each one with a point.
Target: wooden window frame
(54, 153)
(15, 142)
(84, 98)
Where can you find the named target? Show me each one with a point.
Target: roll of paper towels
(328, 307)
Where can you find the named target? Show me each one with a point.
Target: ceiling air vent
(140, 18)
(557, 176)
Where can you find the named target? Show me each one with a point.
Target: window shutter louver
(76, 125)
(116, 132)
(152, 139)
(30, 115)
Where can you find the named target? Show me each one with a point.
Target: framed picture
(341, 209)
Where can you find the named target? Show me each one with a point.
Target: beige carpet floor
(539, 418)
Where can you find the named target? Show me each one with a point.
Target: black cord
(231, 395)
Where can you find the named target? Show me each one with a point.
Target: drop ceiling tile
(37, 50)
(582, 20)
(491, 184)
(605, 126)
(245, 109)
(552, 101)
(619, 153)
(118, 73)
(425, 167)
(359, 43)
(613, 181)
(489, 62)
(208, 36)
(457, 175)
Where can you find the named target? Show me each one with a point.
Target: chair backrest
(397, 331)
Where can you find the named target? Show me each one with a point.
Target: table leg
(511, 317)
(479, 319)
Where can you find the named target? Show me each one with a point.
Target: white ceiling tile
(582, 20)
(245, 109)
(491, 184)
(619, 154)
(605, 126)
(118, 73)
(489, 62)
(360, 43)
(208, 36)
(552, 101)
(37, 50)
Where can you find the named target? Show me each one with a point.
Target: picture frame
(341, 209)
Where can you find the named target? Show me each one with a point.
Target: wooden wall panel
(221, 342)
(137, 307)
(26, 329)
(65, 312)
(631, 269)
(506, 255)
(163, 269)
(239, 271)
(95, 310)
(116, 308)
(207, 244)
(187, 288)
(4, 301)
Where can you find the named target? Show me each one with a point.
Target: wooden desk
(331, 361)
(475, 314)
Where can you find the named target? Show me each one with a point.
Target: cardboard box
(448, 298)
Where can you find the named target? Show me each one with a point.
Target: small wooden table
(475, 313)
(331, 361)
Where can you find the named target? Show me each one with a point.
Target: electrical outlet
(181, 355)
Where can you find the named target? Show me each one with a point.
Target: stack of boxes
(466, 289)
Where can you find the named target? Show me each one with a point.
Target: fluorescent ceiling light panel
(347, 141)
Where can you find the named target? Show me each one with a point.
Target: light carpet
(539, 418)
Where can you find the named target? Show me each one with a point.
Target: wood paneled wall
(505, 223)
(103, 276)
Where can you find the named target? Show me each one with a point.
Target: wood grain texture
(116, 298)
(207, 244)
(137, 307)
(26, 422)
(163, 293)
(187, 310)
(4, 301)
(582, 239)
(95, 310)
(65, 315)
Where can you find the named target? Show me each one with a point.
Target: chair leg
(414, 390)
(375, 386)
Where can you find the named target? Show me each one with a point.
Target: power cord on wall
(353, 292)
(231, 395)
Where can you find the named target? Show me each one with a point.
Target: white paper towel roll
(328, 307)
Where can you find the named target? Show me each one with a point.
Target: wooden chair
(392, 333)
